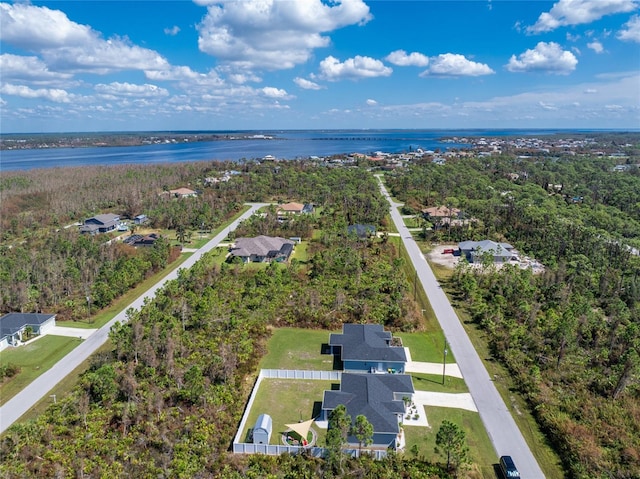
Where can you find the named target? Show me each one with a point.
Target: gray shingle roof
(485, 245)
(366, 342)
(260, 246)
(13, 322)
(371, 395)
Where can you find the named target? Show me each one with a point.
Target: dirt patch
(438, 256)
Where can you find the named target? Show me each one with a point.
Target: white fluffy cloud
(173, 31)
(545, 57)
(596, 46)
(402, 59)
(66, 45)
(52, 94)
(354, 68)
(272, 34)
(577, 12)
(452, 64)
(371, 102)
(307, 84)
(631, 30)
(36, 28)
(118, 89)
(272, 92)
(28, 68)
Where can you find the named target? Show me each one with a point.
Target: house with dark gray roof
(262, 249)
(367, 348)
(378, 397)
(141, 240)
(100, 224)
(473, 251)
(14, 325)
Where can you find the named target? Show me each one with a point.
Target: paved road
(502, 429)
(29, 396)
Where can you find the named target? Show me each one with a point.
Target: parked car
(508, 467)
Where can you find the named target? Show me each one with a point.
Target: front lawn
(287, 401)
(34, 359)
(433, 383)
(480, 448)
(294, 348)
(426, 347)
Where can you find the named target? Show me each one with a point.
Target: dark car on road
(508, 467)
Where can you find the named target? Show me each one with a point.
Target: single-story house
(100, 223)
(141, 240)
(183, 193)
(361, 231)
(13, 326)
(290, 208)
(378, 397)
(440, 212)
(262, 429)
(367, 348)
(501, 252)
(140, 219)
(293, 209)
(262, 249)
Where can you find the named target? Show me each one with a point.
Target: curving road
(30, 395)
(502, 429)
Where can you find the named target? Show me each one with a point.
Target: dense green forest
(571, 335)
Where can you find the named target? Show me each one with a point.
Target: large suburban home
(262, 249)
(14, 325)
(100, 224)
(367, 348)
(378, 397)
(473, 251)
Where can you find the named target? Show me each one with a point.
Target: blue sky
(313, 64)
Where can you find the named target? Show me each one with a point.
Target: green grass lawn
(426, 347)
(287, 401)
(480, 448)
(300, 252)
(433, 382)
(33, 359)
(294, 348)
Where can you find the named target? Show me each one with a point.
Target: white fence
(240, 447)
(276, 449)
(301, 374)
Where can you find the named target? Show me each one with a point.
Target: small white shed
(262, 429)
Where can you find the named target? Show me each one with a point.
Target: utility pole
(444, 361)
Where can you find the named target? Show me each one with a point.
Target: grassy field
(481, 450)
(288, 401)
(291, 348)
(34, 359)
